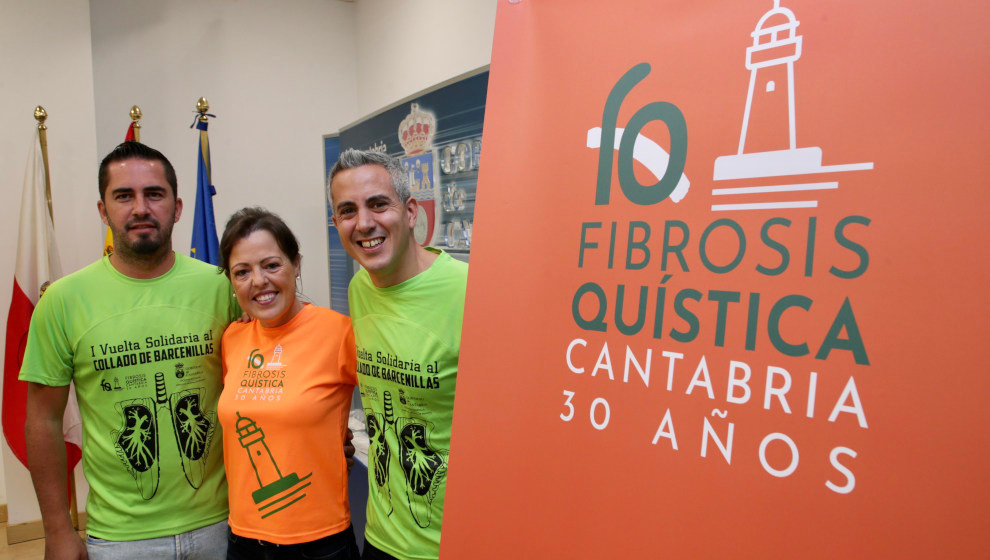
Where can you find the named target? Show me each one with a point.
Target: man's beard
(144, 245)
(147, 245)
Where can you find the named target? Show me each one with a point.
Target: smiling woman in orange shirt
(288, 378)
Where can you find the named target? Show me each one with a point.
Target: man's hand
(65, 545)
(349, 448)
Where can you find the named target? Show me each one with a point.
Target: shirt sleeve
(49, 352)
(347, 355)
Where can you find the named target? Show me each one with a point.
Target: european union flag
(205, 245)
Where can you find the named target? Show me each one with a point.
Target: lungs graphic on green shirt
(138, 443)
(423, 467)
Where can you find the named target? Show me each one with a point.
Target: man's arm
(47, 462)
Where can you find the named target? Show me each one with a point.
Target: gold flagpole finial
(202, 106)
(41, 116)
(135, 114)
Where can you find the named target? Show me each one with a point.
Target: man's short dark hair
(135, 150)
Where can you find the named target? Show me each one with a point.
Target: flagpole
(136, 117)
(204, 245)
(41, 115)
(73, 502)
(202, 106)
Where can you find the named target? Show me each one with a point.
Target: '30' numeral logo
(255, 360)
(668, 168)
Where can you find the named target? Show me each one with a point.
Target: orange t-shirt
(283, 410)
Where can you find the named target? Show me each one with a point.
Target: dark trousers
(372, 553)
(341, 546)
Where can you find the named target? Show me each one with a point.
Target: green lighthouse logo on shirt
(276, 492)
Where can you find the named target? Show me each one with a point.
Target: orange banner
(728, 289)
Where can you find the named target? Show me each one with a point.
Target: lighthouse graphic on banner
(770, 61)
(768, 142)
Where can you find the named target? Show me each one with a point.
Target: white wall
(404, 47)
(45, 60)
(278, 75)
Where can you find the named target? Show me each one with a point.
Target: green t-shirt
(145, 359)
(408, 340)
